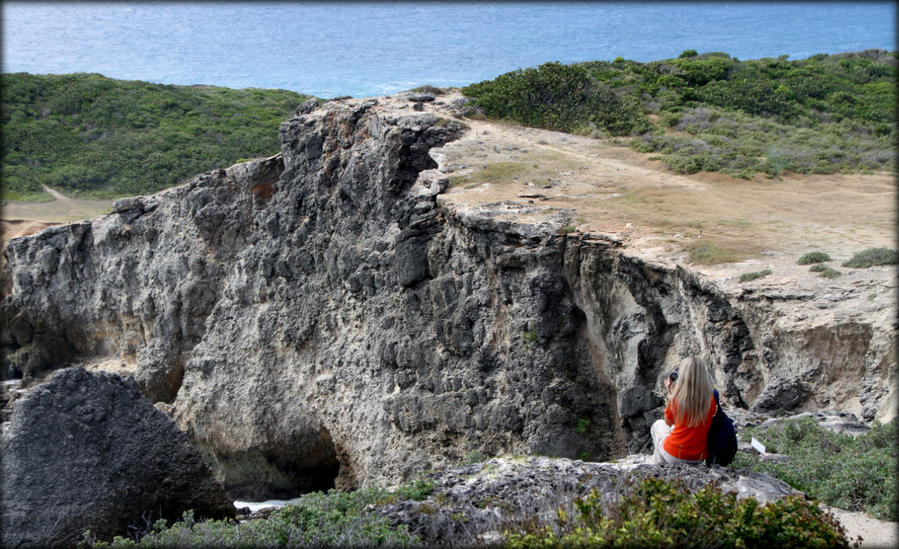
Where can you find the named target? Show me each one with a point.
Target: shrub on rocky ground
(813, 257)
(332, 519)
(873, 256)
(828, 272)
(851, 473)
(665, 514)
(746, 277)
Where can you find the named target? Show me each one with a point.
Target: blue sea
(365, 49)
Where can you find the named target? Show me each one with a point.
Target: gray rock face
(87, 451)
(320, 313)
(474, 504)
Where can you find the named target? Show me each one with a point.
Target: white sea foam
(257, 505)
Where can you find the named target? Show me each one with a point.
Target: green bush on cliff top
(712, 112)
(871, 257)
(88, 135)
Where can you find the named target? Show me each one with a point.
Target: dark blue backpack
(722, 439)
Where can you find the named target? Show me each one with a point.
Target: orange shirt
(688, 442)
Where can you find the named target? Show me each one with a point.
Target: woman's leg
(659, 432)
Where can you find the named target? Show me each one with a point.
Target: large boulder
(86, 451)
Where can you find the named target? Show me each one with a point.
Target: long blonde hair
(691, 393)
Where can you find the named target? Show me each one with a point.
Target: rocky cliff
(321, 317)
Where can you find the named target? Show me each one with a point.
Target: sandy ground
(874, 533)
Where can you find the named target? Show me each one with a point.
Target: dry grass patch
(716, 249)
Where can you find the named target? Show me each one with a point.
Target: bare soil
(705, 219)
(874, 533)
(24, 218)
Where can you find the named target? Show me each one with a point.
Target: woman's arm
(669, 414)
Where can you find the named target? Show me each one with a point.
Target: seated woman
(681, 436)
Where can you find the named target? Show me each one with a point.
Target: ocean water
(365, 49)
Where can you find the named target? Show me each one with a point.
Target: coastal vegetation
(319, 519)
(746, 277)
(713, 112)
(857, 473)
(90, 136)
(851, 472)
(872, 257)
(666, 514)
(813, 257)
(652, 513)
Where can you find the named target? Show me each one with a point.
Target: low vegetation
(858, 473)
(746, 277)
(855, 473)
(813, 257)
(872, 257)
(653, 513)
(829, 272)
(663, 514)
(713, 112)
(91, 136)
(332, 519)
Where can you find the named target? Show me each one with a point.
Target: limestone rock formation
(321, 317)
(473, 504)
(87, 451)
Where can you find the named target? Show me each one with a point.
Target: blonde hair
(691, 393)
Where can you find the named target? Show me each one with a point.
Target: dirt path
(57, 195)
(24, 218)
(874, 533)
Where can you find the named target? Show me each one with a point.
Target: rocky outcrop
(321, 317)
(474, 504)
(87, 452)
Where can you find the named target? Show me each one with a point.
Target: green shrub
(852, 473)
(333, 519)
(557, 97)
(813, 257)
(416, 490)
(665, 514)
(824, 114)
(817, 268)
(93, 136)
(427, 88)
(829, 272)
(871, 257)
(746, 277)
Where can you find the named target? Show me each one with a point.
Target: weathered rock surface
(832, 420)
(320, 313)
(474, 504)
(87, 451)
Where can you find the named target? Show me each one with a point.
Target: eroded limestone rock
(322, 314)
(475, 503)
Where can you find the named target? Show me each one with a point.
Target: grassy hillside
(713, 112)
(92, 136)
